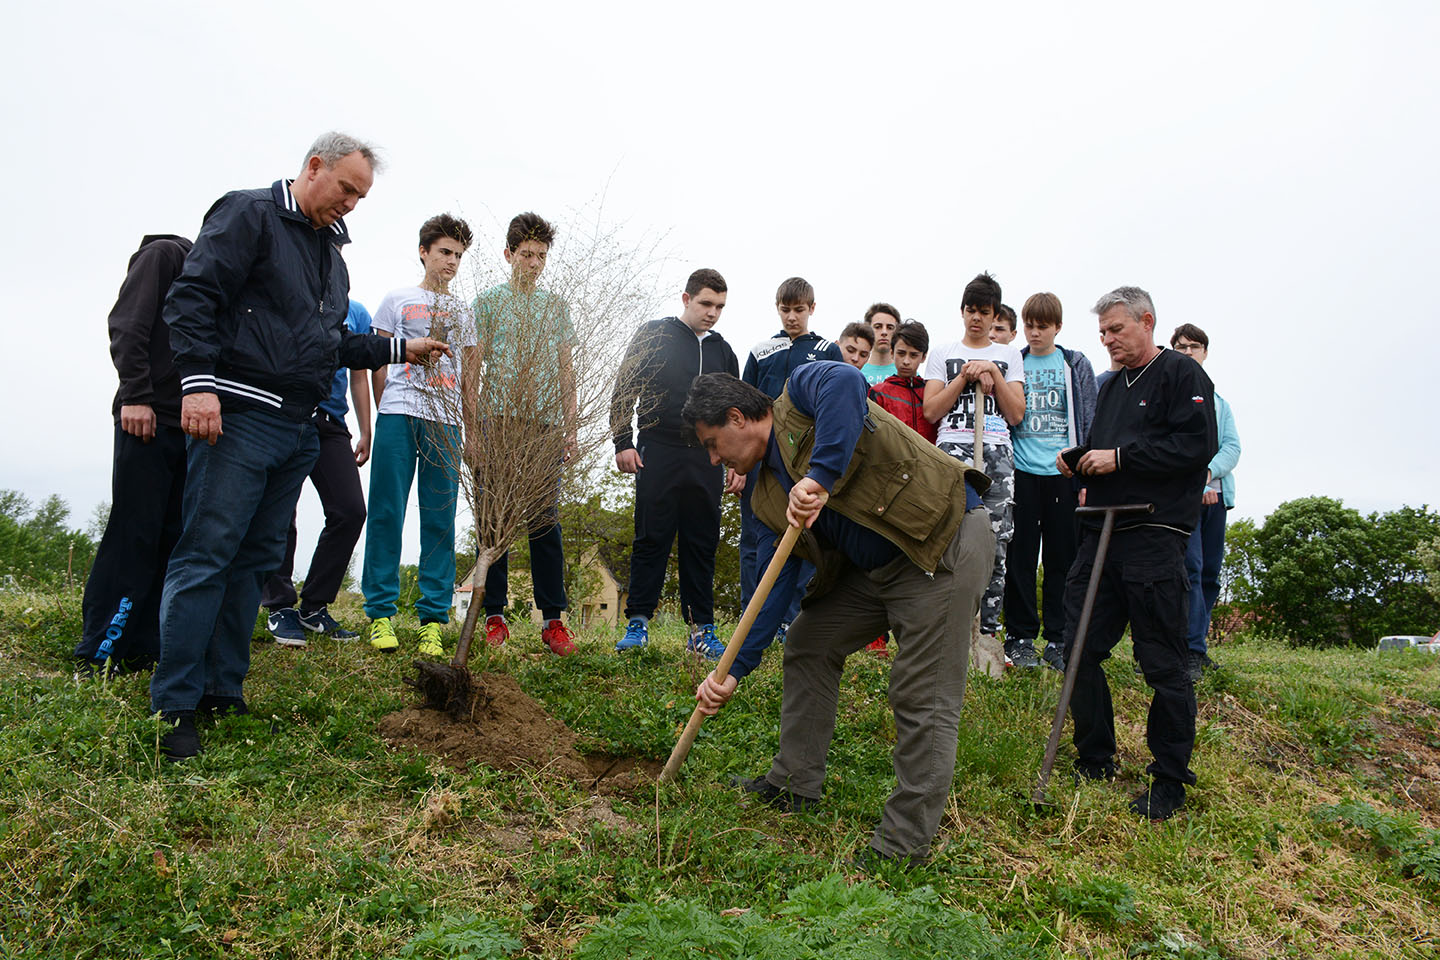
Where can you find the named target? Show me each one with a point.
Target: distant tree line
(1318, 573)
(37, 546)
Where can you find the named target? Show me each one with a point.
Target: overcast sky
(1266, 171)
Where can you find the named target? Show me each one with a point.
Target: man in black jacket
(677, 489)
(122, 596)
(257, 323)
(1151, 440)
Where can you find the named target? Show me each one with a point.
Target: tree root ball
(449, 689)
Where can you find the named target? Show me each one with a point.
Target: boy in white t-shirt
(417, 432)
(951, 372)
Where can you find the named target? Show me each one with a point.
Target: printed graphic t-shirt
(958, 424)
(427, 391)
(1045, 431)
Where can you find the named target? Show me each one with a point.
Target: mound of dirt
(510, 731)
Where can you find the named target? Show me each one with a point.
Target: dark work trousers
(676, 492)
(337, 480)
(547, 571)
(1044, 513)
(1143, 584)
(122, 596)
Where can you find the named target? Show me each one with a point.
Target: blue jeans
(1203, 553)
(239, 496)
(405, 447)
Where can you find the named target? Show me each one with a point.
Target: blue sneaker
(637, 634)
(780, 633)
(704, 642)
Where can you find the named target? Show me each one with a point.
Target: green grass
(299, 833)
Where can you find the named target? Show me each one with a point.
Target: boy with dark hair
(883, 319)
(768, 368)
(1003, 330)
(519, 308)
(1059, 405)
(855, 342)
(416, 433)
(952, 374)
(677, 488)
(1205, 550)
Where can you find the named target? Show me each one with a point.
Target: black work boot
(1161, 801)
(1104, 771)
(772, 796)
(182, 740)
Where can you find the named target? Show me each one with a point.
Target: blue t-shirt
(1045, 430)
(875, 373)
(358, 320)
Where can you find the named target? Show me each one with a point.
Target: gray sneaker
(285, 627)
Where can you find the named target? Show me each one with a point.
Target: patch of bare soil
(1410, 755)
(510, 731)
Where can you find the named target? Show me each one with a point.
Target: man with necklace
(1152, 438)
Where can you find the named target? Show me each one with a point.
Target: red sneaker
(877, 646)
(496, 630)
(557, 637)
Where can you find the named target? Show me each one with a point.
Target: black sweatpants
(337, 480)
(1044, 512)
(547, 572)
(676, 492)
(122, 596)
(1144, 584)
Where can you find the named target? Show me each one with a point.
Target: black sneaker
(1054, 656)
(1209, 664)
(1104, 772)
(182, 740)
(284, 625)
(1161, 801)
(218, 708)
(320, 621)
(1195, 667)
(772, 796)
(1022, 653)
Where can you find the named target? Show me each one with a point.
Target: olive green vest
(897, 484)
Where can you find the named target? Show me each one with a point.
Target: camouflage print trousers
(1000, 501)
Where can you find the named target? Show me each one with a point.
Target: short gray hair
(1136, 302)
(332, 146)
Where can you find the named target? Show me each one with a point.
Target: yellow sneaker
(431, 644)
(382, 635)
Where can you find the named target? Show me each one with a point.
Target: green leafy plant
(464, 936)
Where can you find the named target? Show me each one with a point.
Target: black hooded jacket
(663, 357)
(139, 338)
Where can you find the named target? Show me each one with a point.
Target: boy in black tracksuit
(1152, 438)
(677, 489)
(122, 596)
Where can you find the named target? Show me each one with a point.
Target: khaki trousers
(930, 617)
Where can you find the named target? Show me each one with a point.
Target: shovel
(1072, 661)
(732, 649)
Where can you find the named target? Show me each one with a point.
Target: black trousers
(547, 571)
(677, 492)
(337, 480)
(1044, 513)
(1144, 584)
(122, 596)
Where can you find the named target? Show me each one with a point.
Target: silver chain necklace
(1130, 383)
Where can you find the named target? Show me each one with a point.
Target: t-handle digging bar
(732, 649)
(1072, 660)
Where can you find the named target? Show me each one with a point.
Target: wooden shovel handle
(732, 649)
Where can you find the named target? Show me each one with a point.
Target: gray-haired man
(257, 325)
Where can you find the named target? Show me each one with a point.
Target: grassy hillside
(1315, 830)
